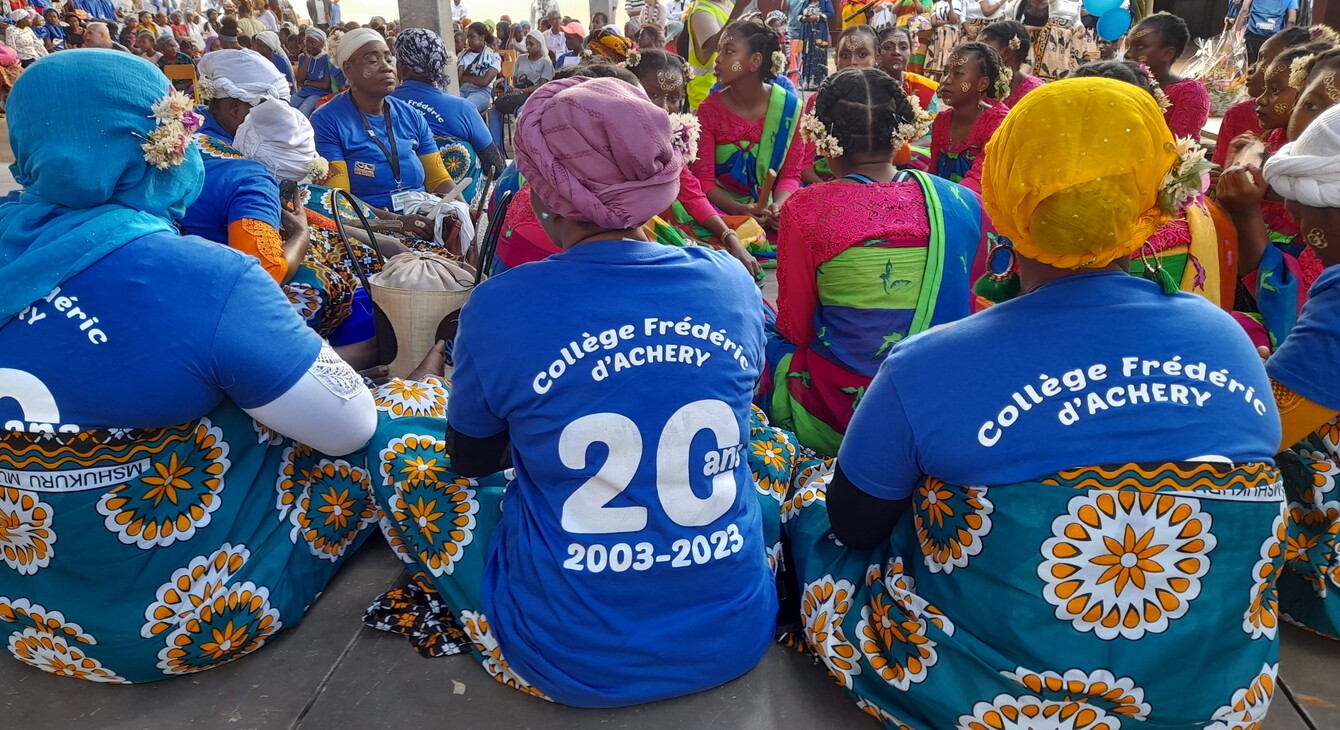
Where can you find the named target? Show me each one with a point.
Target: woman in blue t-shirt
(629, 558)
(1064, 506)
(466, 145)
(145, 535)
(314, 75)
(1302, 372)
(379, 147)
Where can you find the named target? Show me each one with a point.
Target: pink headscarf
(596, 150)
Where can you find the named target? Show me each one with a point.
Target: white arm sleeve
(328, 409)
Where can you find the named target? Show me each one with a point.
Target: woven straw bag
(419, 291)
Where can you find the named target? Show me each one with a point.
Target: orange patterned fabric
(1298, 415)
(261, 240)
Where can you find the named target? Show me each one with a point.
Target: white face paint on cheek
(367, 74)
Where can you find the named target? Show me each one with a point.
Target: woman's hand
(735, 247)
(1240, 190)
(417, 226)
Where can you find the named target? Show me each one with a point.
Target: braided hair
(1286, 61)
(598, 68)
(1326, 59)
(1006, 32)
(1171, 28)
(653, 60)
(760, 39)
(1128, 72)
(862, 108)
(990, 66)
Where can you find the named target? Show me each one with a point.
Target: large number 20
(587, 510)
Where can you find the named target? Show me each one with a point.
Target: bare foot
(434, 363)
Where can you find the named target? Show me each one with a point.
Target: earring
(1316, 238)
(753, 69)
(544, 215)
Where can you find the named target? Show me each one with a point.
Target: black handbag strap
(490, 246)
(344, 237)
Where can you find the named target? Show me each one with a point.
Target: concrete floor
(332, 673)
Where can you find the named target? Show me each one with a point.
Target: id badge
(399, 200)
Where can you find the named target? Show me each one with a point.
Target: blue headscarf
(87, 187)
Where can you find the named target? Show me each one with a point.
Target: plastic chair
(184, 72)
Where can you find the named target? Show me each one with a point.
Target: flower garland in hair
(333, 42)
(813, 131)
(684, 133)
(778, 63)
(1003, 84)
(205, 88)
(177, 121)
(586, 53)
(1182, 182)
(1156, 90)
(1324, 33)
(907, 132)
(318, 169)
(1298, 69)
(1014, 43)
(634, 58)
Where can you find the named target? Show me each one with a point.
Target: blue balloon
(1113, 24)
(1096, 8)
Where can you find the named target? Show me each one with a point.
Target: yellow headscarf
(1072, 175)
(610, 45)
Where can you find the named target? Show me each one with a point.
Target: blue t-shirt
(54, 33)
(1306, 361)
(159, 332)
(1089, 370)
(319, 69)
(447, 115)
(628, 408)
(1267, 17)
(341, 136)
(234, 188)
(284, 66)
(97, 9)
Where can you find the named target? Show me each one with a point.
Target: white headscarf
(18, 15)
(241, 74)
(270, 39)
(1308, 170)
(279, 137)
(351, 42)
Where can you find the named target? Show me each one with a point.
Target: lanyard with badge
(398, 197)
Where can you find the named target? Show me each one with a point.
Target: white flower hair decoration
(1298, 69)
(177, 122)
(1183, 181)
(813, 131)
(634, 58)
(1003, 83)
(778, 63)
(205, 88)
(318, 169)
(1160, 98)
(684, 132)
(908, 132)
(333, 42)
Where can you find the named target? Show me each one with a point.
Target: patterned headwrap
(609, 45)
(596, 150)
(423, 52)
(1073, 175)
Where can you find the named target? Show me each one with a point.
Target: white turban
(352, 41)
(18, 15)
(241, 74)
(1308, 170)
(270, 39)
(279, 137)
